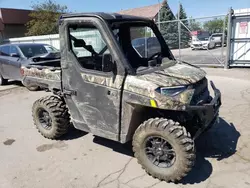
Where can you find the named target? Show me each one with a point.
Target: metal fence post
(179, 30)
(223, 39)
(229, 33)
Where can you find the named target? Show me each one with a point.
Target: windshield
(50, 48)
(35, 50)
(142, 44)
(203, 38)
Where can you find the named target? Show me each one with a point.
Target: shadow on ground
(73, 134)
(13, 82)
(219, 142)
(125, 149)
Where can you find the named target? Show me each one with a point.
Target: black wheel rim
(44, 119)
(160, 152)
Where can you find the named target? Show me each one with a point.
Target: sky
(194, 8)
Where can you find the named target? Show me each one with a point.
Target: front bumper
(199, 46)
(207, 113)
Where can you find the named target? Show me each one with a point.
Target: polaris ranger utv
(104, 85)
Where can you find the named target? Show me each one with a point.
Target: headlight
(171, 91)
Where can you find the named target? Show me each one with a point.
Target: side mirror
(107, 63)
(14, 55)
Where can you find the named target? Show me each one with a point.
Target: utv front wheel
(51, 117)
(164, 149)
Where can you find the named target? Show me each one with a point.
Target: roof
(147, 11)
(14, 16)
(242, 12)
(105, 16)
(25, 44)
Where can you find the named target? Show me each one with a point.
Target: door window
(89, 47)
(13, 50)
(5, 50)
(144, 41)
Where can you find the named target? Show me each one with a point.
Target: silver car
(12, 56)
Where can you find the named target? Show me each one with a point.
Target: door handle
(112, 93)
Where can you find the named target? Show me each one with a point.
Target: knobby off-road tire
(51, 117)
(177, 138)
(2, 80)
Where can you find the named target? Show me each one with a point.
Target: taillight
(22, 71)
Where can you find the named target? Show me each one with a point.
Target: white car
(202, 43)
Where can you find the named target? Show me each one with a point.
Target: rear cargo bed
(44, 74)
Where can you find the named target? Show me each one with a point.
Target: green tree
(185, 35)
(194, 25)
(214, 26)
(169, 30)
(44, 18)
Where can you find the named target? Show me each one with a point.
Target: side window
(5, 50)
(88, 45)
(13, 50)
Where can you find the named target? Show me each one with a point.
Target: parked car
(13, 56)
(217, 38)
(202, 42)
(146, 46)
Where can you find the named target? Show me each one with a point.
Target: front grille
(197, 45)
(201, 93)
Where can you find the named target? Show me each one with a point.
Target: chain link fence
(200, 41)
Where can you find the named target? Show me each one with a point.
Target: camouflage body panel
(176, 75)
(112, 82)
(145, 85)
(44, 73)
(49, 78)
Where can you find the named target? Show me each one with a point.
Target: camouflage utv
(106, 84)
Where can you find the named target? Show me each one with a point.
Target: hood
(200, 42)
(179, 74)
(47, 56)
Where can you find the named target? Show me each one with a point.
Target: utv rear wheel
(51, 117)
(164, 149)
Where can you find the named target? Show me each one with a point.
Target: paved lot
(10, 85)
(80, 160)
(213, 56)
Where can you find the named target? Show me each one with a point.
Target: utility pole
(179, 30)
(159, 16)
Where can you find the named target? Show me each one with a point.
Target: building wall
(240, 45)
(14, 30)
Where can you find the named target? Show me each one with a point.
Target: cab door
(14, 63)
(4, 61)
(91, 78)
